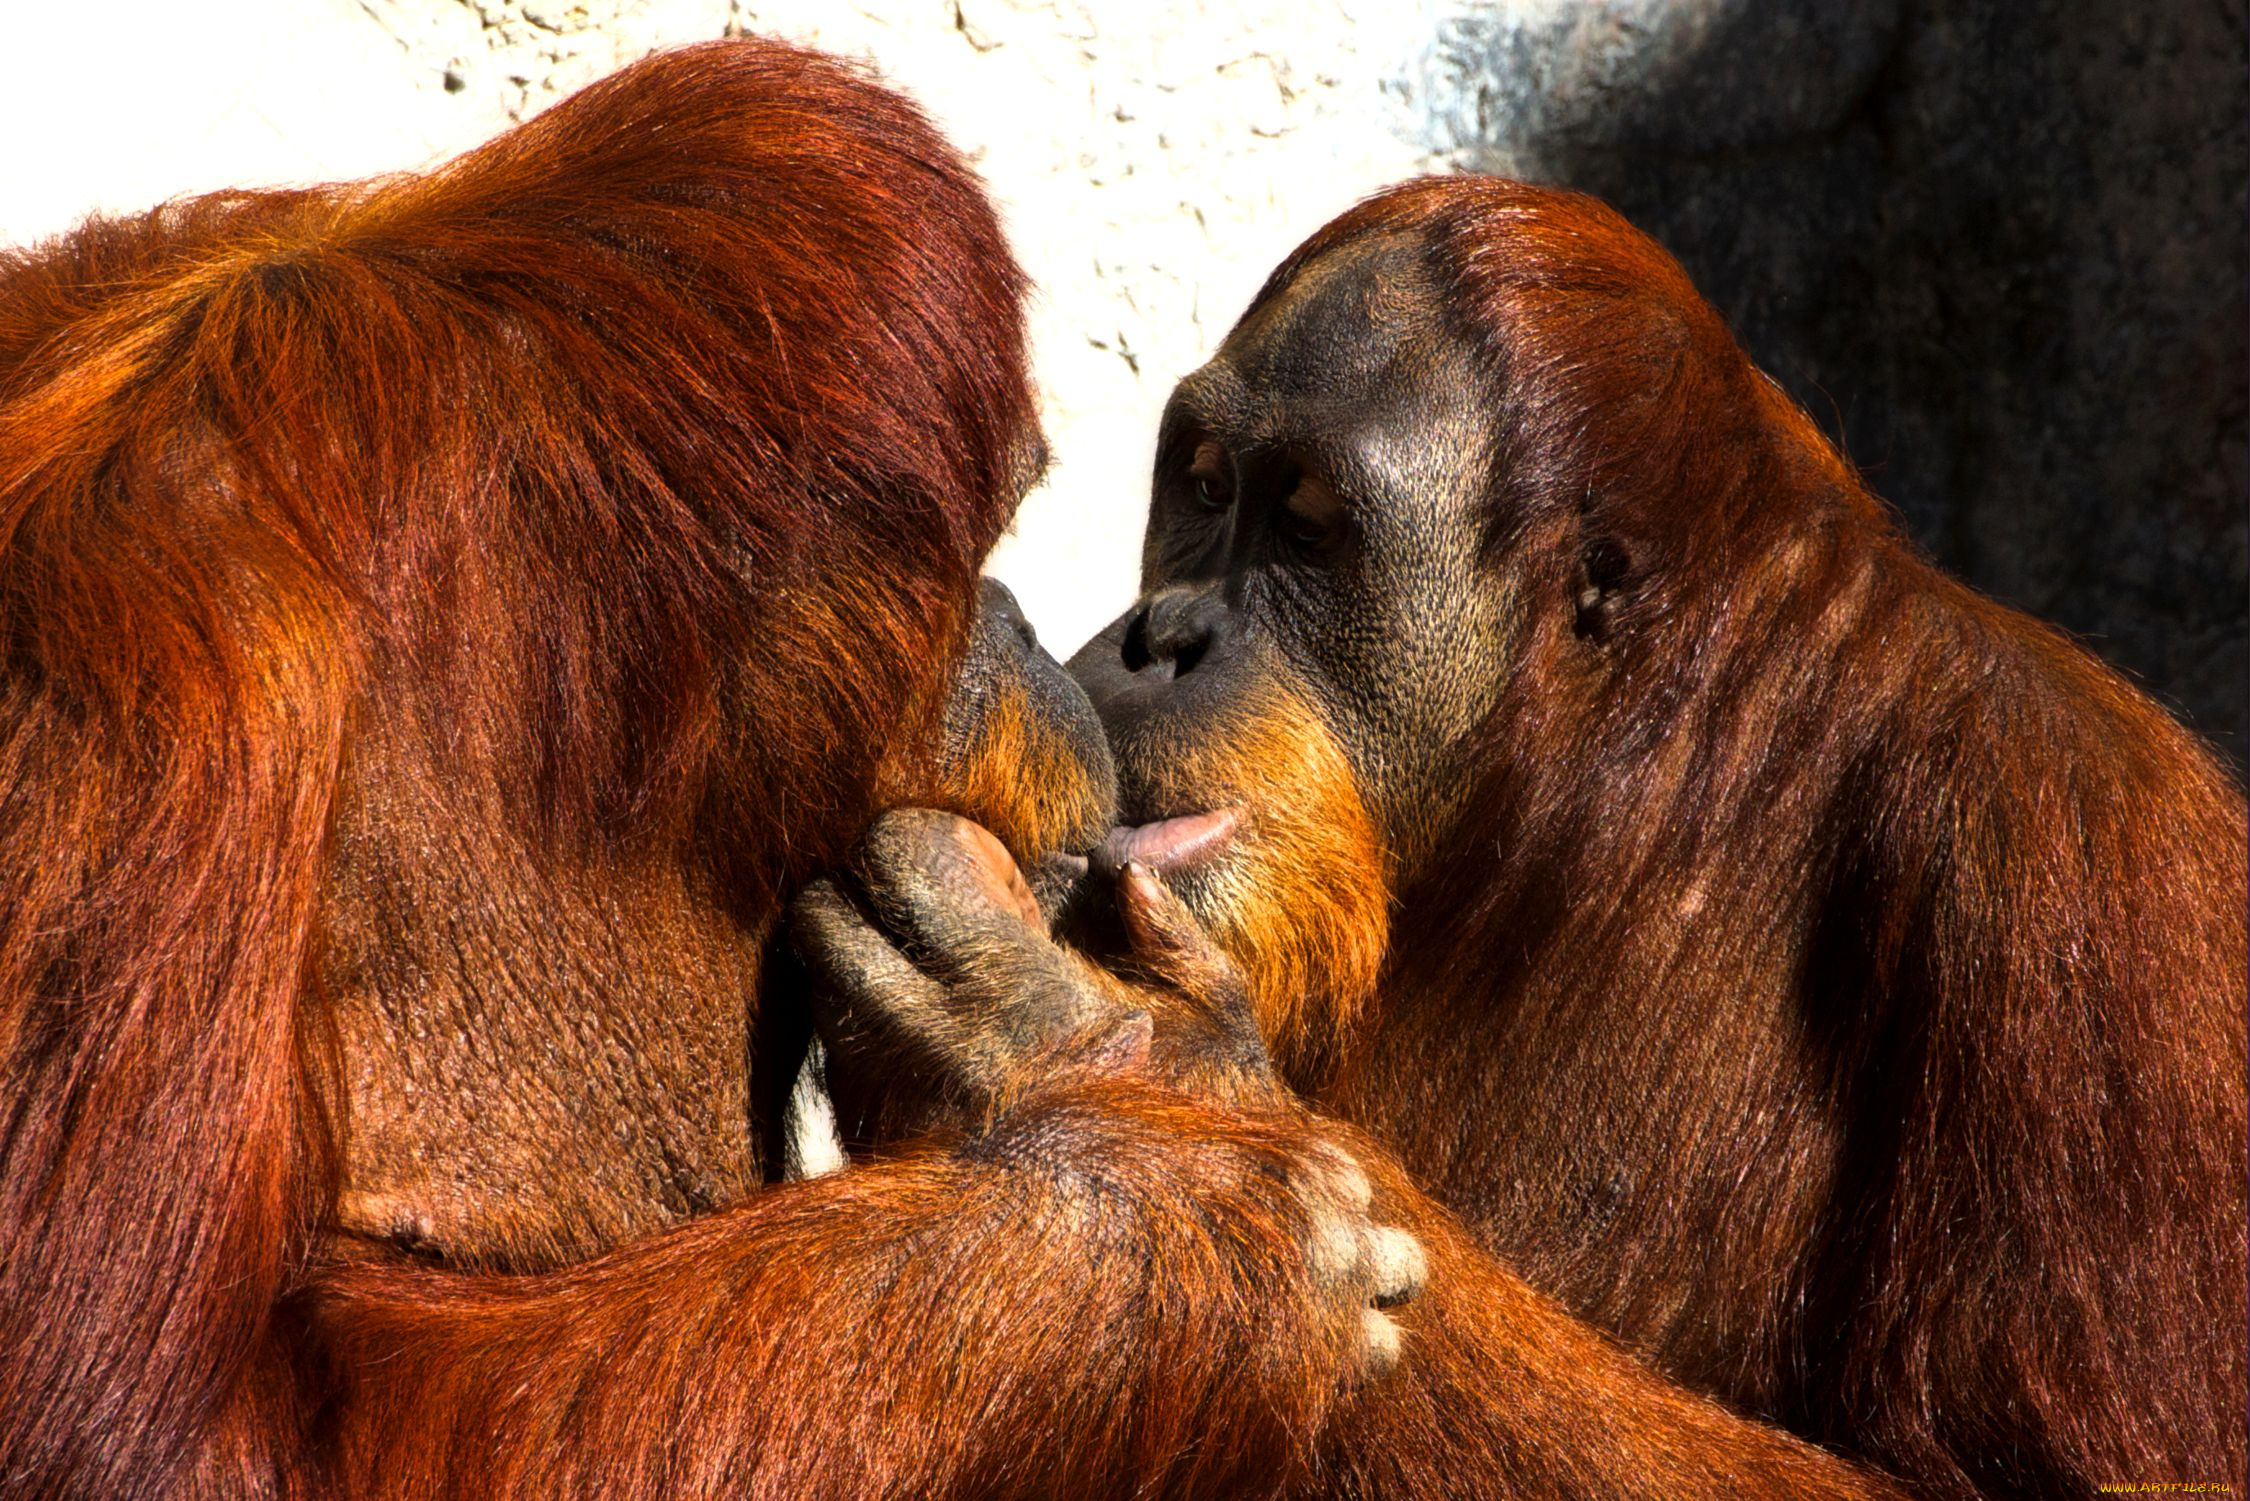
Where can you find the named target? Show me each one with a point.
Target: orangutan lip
(1170, 844)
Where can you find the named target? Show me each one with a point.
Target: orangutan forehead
(1348, 318)
(1356, 364)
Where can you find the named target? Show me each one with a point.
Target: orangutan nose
(1175, 632)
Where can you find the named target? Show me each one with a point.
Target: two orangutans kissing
(555, 942)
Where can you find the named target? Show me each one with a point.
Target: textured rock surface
(1998, 245)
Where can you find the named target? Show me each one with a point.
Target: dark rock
(1995, 246)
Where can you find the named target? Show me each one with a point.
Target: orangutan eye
(1313, 518)
(1306, 531)
(1211, 476)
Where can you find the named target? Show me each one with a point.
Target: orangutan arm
(1110, 1291)
(1501, 1392)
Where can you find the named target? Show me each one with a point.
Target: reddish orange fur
(1836, 986)
(1503, 1392)
(1301, 901)
(957, 1341)
(1020, 779)
(554, 557)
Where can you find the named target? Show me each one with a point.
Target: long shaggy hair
(1837, 987)
(643, 459)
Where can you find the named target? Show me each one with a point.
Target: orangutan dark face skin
(1311, 532)
(1319, 629)
(1022, 742)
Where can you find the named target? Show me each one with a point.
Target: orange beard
(1300, 899)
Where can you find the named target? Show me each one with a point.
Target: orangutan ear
(1604, 583)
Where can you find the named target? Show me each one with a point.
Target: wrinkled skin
(1292, 710)
(1318, 636)
(1311, 533)
(1760, 940)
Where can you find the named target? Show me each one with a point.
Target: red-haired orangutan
(1821, 977)
(442, 618)
(1818, 977)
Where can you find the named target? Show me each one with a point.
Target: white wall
(1154, 159)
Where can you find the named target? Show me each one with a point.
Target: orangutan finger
(939, 869)
(952, 898)
(1379, 1267)
(1120, 1045)
(866, 990)
(1168, 942)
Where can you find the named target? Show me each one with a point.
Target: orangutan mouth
(1169, 844)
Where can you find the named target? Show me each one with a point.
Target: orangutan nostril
(1133, 650)
(1173, 634)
